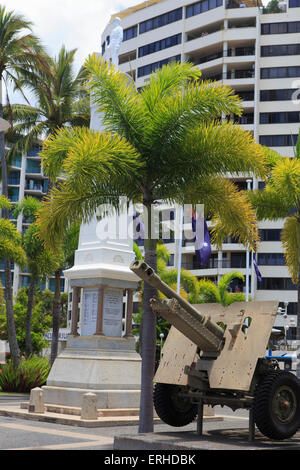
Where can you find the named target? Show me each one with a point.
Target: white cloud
(74, 23)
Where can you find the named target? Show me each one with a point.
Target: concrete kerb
(72, 416)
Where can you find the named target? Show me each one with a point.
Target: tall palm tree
(20, 50)
(164, 143)
(61, 101)
(41, 262)
(280, 199)
(11, 248)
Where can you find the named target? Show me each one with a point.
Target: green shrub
(31, 372)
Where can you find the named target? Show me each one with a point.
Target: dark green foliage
(41, 319)
(30, 373)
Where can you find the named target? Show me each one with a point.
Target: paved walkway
(230, 433)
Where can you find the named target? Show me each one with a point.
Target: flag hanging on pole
(256, 268)
(202, 241)
(139, 228)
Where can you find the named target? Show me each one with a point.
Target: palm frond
(285, 180)
(222, 148)
(99, 168)
(230, 212)
(165, 81)
(290, 241)
(176, 114)
(117, 100)
(208, 292)
(224, 283)
(268, 204)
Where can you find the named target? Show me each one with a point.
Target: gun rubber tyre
(172, 408)
(276, 405)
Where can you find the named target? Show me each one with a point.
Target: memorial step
(76, 411)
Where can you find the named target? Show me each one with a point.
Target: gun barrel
(145, 272)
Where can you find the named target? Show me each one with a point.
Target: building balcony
(204, 41)
(241, 77)
(244, 55)
(34, 187)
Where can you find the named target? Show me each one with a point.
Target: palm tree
(20, 50)
(60, 101)
(11, 247)
(164, 143)
(280, 199)
(40, 261)
(210, 292)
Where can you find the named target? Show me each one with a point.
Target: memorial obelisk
(100, 355)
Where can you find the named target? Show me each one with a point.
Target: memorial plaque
(112, 312)
(89, 312)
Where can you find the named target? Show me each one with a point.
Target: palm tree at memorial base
(281, 200)
(164, 143)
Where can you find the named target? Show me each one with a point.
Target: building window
(201, 7)
(270, 235)
(52, 284)
(271, 259)
(280, 49)
(279, 118)
(148, 69)
(161, 20)
(276, 283)
(294, 4)
(280, 140)
(160, 45)
(284, 94)
(246, 95)
(130, 33)
(280, 72)
(281, 28)
(14, 177)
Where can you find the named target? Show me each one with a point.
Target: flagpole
(179, 250)
(248, 254)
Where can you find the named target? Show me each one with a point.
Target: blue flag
(256, 268)
(139, 227)
(202, 244)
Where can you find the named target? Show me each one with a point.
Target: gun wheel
(171, 407)
(276, 405)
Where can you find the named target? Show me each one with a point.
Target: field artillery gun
(215, 355)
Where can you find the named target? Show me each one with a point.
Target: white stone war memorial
(100, 356)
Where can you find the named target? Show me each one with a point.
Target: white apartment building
(256, 54)
(26, 178)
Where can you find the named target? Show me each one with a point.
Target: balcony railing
(241, 4)
(212, 264)
(239, 52)
(245, 119)
(34, 187)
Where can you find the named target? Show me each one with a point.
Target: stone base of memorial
(106, 366)
(100, 355)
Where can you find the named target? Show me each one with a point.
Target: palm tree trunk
(56, 318)
(148, 346)
(28, 341)
(11, 328)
